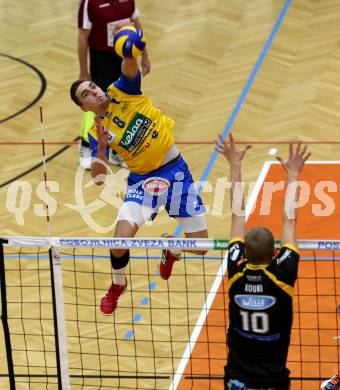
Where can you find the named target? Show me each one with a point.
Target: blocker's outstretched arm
(293, 167)
(235, 157)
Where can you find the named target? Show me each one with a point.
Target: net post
(4, 318)
(59, 319)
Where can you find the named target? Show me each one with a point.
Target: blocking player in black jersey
(261, 283)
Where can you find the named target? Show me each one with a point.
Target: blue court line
(241, 99)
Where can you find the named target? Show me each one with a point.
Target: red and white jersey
(100, 16)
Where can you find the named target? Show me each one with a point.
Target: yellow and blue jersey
(141, 133)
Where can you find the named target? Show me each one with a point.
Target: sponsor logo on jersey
(135, 132)
(115, 101)
(107, 114)
(286, 253)
(113, 136)
(234, 384)
(254, 302)
(142, 147)
(155, 134)
(156, 185)
(136, 194)
(254, 278)
(253, 336)
(124, 107)
(234, 252)
(253, 288)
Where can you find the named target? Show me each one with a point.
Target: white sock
(118, 276)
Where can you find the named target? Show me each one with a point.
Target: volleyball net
(163, 334)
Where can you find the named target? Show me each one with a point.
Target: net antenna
(56, 283)
(44, 162)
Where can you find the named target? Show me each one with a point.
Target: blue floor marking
(144, 301)
(241, 100)
(137, 317)
(128, 335)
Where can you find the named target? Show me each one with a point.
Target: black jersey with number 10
(260, 308)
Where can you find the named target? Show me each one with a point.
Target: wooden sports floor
(267, 70)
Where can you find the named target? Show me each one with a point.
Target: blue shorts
(171, 186)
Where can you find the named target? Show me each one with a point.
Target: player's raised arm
(130, 67)
(235, 157)
(145, 62)
(129, 43)
(293, 167)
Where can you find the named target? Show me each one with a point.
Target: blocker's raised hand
(229, 150)
(296, 159)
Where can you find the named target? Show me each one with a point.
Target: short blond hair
(259, 245)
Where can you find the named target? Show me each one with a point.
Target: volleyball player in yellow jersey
(128, 123)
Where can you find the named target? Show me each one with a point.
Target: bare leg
(119, 261)
(169, 257)
(124, 229)
(199, 234)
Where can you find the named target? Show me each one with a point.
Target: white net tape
(148, 243)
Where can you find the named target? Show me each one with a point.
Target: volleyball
(129, 42)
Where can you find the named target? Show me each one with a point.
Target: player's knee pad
(120, 262)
